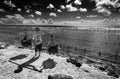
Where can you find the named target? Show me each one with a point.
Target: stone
(48, 64)
(102, 68)
(113, 73)
(74, 62)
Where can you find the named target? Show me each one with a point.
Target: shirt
(37, 37)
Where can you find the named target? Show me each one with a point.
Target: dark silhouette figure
(68, 47)
(26, 42)
(116, 56)
(85, 51)
(100, 53)
(76, 49)
(53, 46)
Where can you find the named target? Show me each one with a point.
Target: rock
(50, 77)
(49, 64)
(102, 68)
(59, 76)
(74, 62)
(113, 70)
(113, 73)
(90, 61)
(87, 71)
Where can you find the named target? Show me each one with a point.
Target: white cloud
(28, 11)
(50, 21)
(50, 6)
(13, 19)
(83, 10)
(53, 14)
(62, 7)
(78, 17)
(15, 16)
(9, 16)
(43, 21)
(90, 16)
(68, 1)
(77, 2)
(38, 13)
(19, 9)
(29, 21)
(31, 15)
(83, 22)
(106, 6)
(103, 10)
(59, 10)
(71, 8)
(19, 17)
(2, 10)
(9, 3)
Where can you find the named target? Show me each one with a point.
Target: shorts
(38, 47)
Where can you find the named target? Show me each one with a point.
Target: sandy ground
(62, 67)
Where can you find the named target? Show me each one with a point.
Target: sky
(36, 11)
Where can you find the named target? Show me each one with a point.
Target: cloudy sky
(30, 11)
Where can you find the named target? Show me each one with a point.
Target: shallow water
(106, 41)
(95, 40)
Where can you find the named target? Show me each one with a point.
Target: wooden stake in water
(116, 56)
(75, 49)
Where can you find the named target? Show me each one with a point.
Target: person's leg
(36, 50)
(40, 48)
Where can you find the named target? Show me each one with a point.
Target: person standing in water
(37, 41)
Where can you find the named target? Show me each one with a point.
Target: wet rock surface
(111, 69)
(74, 62)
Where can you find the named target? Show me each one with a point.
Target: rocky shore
(54, 66)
